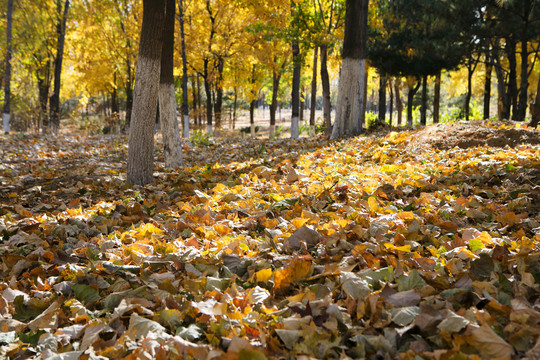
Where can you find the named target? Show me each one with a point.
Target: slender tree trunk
(423, 108)
(504, 102)
(172, 144)
(535, 108)
(44, 85)
(313, 104)
(437, 98)
(208, 92)
(302, 104)
(382, 99)
(235, 105)
(61, 33)
(512, 80)
(276, 77)
(399, 103)
(524, 83)
(218, 104)
(325, 79)
(115, 107)
(7, 73)
(467, 105)
(295, 94)
(129, 95)
(391, 103)
(185, 105)
(350, 107)
(487, 87)
(252, 104)
(410, 99)
(141, 132)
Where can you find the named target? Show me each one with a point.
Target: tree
(167, 99)
(147, 79)
(7, 72)
(350, 109)
(185, 106)
(61, 34)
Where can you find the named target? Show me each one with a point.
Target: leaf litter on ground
(389, 245)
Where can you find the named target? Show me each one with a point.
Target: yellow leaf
(222, 229)
(263, 275)
(372, 204)
(296, 271)
(298, 223)
(406, 215)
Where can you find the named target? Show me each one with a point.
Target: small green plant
(247, 129)
(371, 119)
(279, 130)
(199, 138)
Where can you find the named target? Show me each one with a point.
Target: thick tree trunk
(7, 73)
(382, 99)
(437, 98)
(423, 108)
(185, 105)
(313, 104)
(141, 132)
(172, 145)
(410, 99)
(487, 88)
(535, 108)
(524, 83)
(295, 94)
(350, 107)
(54, 102)
(44, 85)
(399, 103)
(325, 80)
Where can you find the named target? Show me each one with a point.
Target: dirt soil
(475, 133)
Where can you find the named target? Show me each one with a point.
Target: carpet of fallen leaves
(378, 247)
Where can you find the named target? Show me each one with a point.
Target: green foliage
(279, 130)
(247, 129)
(200, 139)
(371, 119)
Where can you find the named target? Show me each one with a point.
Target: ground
(410, 244)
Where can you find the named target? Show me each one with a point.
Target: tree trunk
(313, 104)
(295, 94)
(129, 95)
(410, 99)
(524, 83)
(535, 108)
(423, 108)
(382, 99)
(7, 74)
(141, 132)
(325, 79)
(399, 103)
(437, 98)
(252, 117)
(218, 104)
(487, 88)
(391, 103)
(185, 105)
(44, 85)
(61, 33)
(302, 104)
(172, 144)
(467, 105)
(235, 106)
(504, 102)
(276, 77)
(512, 80)
(208, 92)
(350, 107)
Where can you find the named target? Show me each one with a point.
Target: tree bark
(172, 145)
(512, 80)
(208, 91)
(470, 72)
(423, 108)
(295, 94)
(410, 99)
(218, 104)
(487, 88)
(7, 73)
(185, 105)
(504, 103)
(391, 103)
(350, 107)
(147, 79)
(44, 85)
(313, 104)
(276, 77)
(437, 98)
(535, 108)
(382, 99)
(399, 103)
(54, 101)
(325, 80)
(524, 82)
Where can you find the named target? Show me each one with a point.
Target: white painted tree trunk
(349, 109)
(172, 144)
(253, 131)
(295, 127)
(209, 129)
(5, 122)
(312, 132)
(272, 132)
(185, 128)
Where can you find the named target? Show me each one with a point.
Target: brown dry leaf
(297, 270)
(489, 344)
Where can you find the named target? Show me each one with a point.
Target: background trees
(464, 50)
